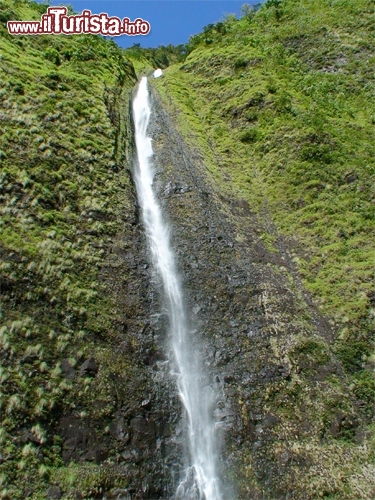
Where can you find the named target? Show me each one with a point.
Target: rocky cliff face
(89, 407)
(283, 405)
(76, 353)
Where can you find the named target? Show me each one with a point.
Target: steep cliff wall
(289, 423)
(264, 158)
(75, 293)
(268, 106)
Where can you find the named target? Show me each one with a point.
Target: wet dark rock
(15, 257)
(244, 312)
(176, 188)
(126, 347)
(81, 441)
(285, 457)
(54, 492)
(89, 368)
(360, 436)
(146, 404)
(67, 370)
(96, 454)
(119, 430)
(40, 456)
(29, 358)
(6, 284)
(271, 373)
(127, 456)
(143, 432)
(321, 372)
(27, 436)
(284, 371)
(270, 421)
(150, 355)
(119, 494)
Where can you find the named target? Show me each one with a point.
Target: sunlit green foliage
(63, 181)
(280, 104)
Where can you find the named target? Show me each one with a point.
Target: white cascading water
(201, 481)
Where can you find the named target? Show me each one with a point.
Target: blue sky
(172, 21)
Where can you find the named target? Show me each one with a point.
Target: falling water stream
(200, 478)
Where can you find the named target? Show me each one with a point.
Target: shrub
(365, 389)
(52, 55)
(249, 136)
(240, 63)
(351, 354)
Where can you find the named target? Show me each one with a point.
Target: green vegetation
(64, 186)
(284, 102)
(280, 104)
(160, 57)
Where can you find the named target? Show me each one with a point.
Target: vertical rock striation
(265, 344)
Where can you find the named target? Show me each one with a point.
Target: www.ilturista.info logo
(56, 22)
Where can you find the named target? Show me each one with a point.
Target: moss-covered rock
(76, 348)
(277, 108)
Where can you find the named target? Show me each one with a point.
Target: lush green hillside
(282, 105)
(279, 106)
(65, 194)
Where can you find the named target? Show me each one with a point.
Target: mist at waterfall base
(200, 480)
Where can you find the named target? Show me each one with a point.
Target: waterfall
(200, 481)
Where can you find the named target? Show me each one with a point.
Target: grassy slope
(63, 188)
(284, 112)
(281, 106)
